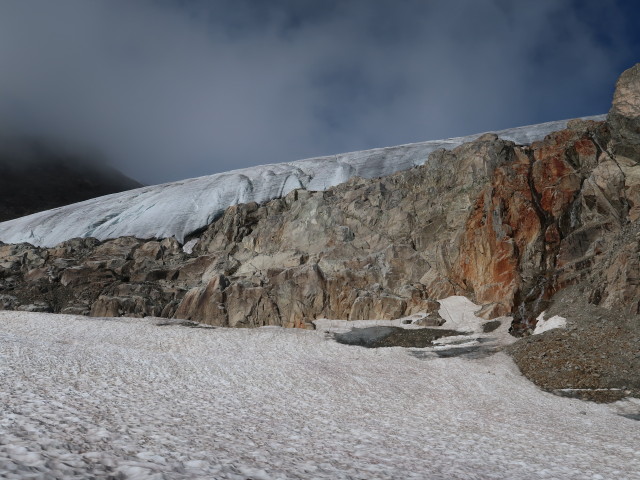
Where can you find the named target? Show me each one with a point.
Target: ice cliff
(179, 208)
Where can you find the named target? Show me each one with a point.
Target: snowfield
(180, 208)
(129, 398)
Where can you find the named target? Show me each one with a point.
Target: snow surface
(86, 397)
(543, 325)
(178, 209)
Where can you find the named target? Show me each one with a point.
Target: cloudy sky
(171, 89)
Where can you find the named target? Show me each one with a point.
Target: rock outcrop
(177, 209)
(624, 116)
(506, 225)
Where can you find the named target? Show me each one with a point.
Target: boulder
(624, 116)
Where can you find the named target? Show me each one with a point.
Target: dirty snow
(543, 325)
(180, 208)
(342, 326)
(85, 397)
(457, 311)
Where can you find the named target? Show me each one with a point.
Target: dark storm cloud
(170, 89)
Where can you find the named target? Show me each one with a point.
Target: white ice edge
(179, 208)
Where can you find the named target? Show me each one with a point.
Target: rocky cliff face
(506, 225)
(177, 209)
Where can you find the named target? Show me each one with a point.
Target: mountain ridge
(178, 209)
(518, 229)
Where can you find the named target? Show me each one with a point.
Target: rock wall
(177, 209)
(504, 224)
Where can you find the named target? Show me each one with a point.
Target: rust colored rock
(540, 223)
(508, 226)
(555, 180)
(249, 305)
(76, 276)
(500, 234)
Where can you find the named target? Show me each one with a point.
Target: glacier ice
(179, 208)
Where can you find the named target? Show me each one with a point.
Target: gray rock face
(179, 209)
(624, 116)
(504, 224)
(490, 220)
(359, 250)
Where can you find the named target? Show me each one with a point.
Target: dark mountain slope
(36, 177)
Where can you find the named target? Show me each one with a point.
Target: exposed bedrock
(178, 209)
(624, 115)
(504, 224)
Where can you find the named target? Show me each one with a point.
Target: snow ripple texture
(180, 208)
(127, 399)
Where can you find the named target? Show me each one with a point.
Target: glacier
(178, 209)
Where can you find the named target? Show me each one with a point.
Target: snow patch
(543, 325)
(457, 311)
(96, 398)
(459, 314)
(188, 247)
